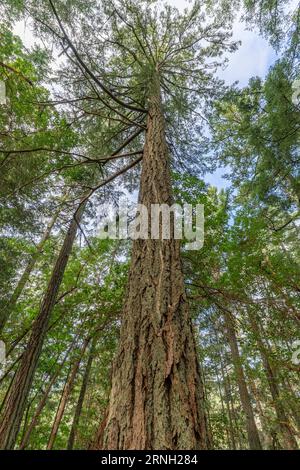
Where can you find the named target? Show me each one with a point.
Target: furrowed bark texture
(15, 402)
(157, 398)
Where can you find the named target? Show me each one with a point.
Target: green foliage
(57, 129)
(256, 132)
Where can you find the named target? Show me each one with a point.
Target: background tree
(108, 85)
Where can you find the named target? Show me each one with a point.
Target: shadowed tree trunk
(65, 395)
(10, 304)
(205, 394)
(26, 415)
(227, 392)
(43, 400)
(266, 435)
(157, 398)
(253, 437)
(232, 410)
(16, 399)
(81, 397)
(292, 405)
(228, 429)
(15, 402)
(283, 420)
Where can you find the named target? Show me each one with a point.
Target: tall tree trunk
(252, 432)
(157, 399)
(65, 395)
(229, 434)
(10, 304)
(43, 400)
(292, 405)
(16, 400)
(26, 415)
(207, 408)
(283, 420)
(227, 392)
(81, 397)
(267, 436)
(232, 410)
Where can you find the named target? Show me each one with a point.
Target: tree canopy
(116, 343)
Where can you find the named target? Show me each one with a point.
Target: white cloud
(22, 29)
(253, 57)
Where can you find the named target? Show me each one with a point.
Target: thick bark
(207, 408)
(65, 395)
(252, 432)
(229, 435)
(10, 304)
(157, 398)
(81, 397)
(16, 400)
(283, 420)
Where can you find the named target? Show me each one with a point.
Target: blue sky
(253, 58)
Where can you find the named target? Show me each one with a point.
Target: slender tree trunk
(283, 421)
(26, 417)
(229, 413)
(157, 398)
(267, 436)
(232, 411)
(226, 393)
(26, 331)
(16, 400)
(207, 411)
(229, 435)
(43, 401)
(10, 304)
(81, 397)
(253, 437)
(4, 376)
(292, 405)
(65, 395)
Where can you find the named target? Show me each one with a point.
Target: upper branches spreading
(114, 49)
(117, 47)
